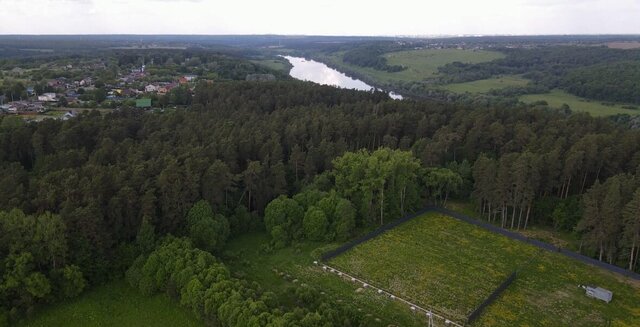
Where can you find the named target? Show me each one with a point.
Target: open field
(273, 64)
(439, 261)
(246, 260)
(624, 45)
(421, 64)
(113, 304)
(556, 98)
(486, 85)
(424, 63)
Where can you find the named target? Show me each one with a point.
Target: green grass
(274, 64)
(556, 98)
(441, 262)
(279, 270)
(486, 85)
(421, 64)
(565, 240)
(113, 304)
(424, 63)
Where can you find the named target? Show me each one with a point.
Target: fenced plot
(437, 261)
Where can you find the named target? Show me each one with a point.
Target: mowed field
(486, 85)
(440, 262)
(556, 98)
(113, 304)
(421, 64)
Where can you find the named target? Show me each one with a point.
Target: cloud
(338, 17)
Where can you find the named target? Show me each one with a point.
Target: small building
(598, 293)
(143, 103)
(151, 88)
(47, 97)
(86, 82)
(68, 115)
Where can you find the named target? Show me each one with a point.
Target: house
(86, 82)
(151, 88)
(164, 89)
(190, 78)
(68, 115)
(183, 80)
(598, 293)
(143, 103)
(47, 97)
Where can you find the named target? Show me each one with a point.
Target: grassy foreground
(113, 304)
(556, 98)
(441, 262)
(279, 270)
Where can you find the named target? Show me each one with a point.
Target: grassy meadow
(113, 304)
(486, 85)
(421, 64)
(275, 64)
(438, 261)
(556, 98)
(424, 63)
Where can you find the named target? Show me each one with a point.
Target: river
(317, 72)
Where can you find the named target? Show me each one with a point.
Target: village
(63, 97)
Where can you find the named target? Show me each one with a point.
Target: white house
(151, 88)
(47, 97)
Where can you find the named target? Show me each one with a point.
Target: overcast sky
(320, 17)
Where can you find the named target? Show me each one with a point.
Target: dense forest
(87, 199)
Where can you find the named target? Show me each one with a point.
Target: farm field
(486, 85)
(421, 64)
(113, 304)
(438, 261)
(556, 98)
(278, 270)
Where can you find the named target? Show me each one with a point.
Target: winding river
(317, 72)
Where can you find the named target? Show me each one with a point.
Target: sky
(320, 17)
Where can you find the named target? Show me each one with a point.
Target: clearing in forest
(440, 262)
(420, 64)
(486, 85)
(556, 98)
